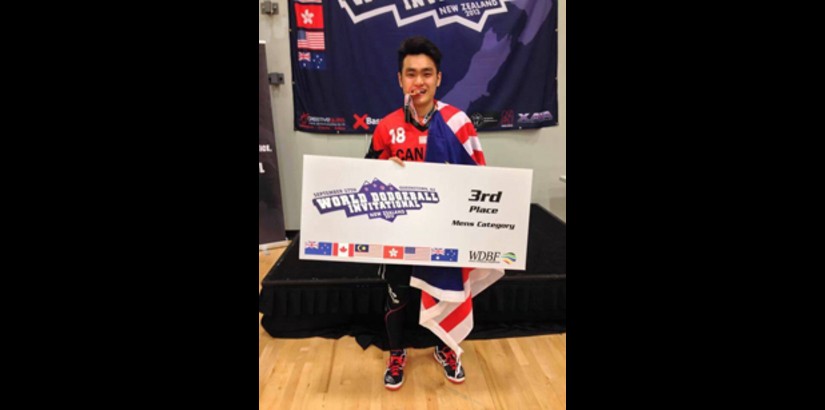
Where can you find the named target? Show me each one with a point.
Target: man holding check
(427, 130)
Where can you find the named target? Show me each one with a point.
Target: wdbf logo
(508, 258)
(376, 199)
(470, 14)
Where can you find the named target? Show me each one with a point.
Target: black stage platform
(303, 298)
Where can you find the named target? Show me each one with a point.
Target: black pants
(398, 298)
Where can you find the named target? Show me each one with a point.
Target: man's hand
(397, 161)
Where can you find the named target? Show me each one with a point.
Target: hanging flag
(309, 16)
(312, 40)
(319, 61)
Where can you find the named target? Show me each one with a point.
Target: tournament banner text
(371, 211)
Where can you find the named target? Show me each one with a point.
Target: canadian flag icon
(343, 250)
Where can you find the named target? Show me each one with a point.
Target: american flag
(447, 299)
(312, 40)
(447, 293)
(416, 253)
(309, 1)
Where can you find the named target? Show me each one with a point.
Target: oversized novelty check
(372, 211)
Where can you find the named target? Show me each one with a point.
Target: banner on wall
(270, 212)
(499, 60)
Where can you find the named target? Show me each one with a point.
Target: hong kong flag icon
(393, 252)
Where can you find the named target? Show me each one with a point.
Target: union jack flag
(302, 56)
(447, 293)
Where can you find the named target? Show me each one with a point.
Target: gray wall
(544, 150)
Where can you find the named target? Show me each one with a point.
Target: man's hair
(419, 45)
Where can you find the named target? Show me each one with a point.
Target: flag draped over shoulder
(447, 293)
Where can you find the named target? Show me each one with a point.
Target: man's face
(418, 74)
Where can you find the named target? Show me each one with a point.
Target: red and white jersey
(394, 137)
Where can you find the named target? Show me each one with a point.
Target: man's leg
(450, 362)
(398, 296)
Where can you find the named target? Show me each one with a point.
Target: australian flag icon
(317, 248)
(444, 255)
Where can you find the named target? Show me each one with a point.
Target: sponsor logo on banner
(364, 121)
(484, 256)
(508, 258)
(375, 199)
(485, 120)
(470, 14)
(321, 123)
(508, 118)
(536, 117)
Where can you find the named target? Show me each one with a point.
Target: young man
(403, 136)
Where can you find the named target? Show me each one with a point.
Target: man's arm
(373, 153)
(378, 148)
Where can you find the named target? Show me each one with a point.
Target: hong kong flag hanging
(309, 16)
